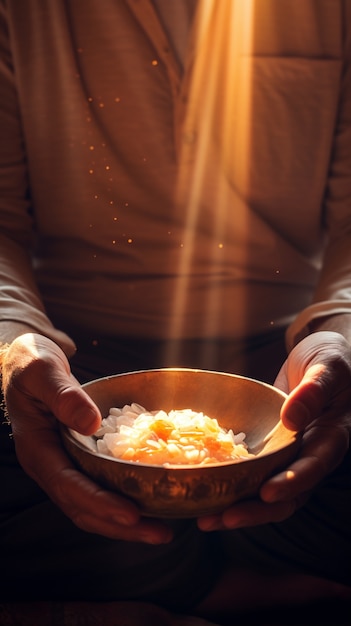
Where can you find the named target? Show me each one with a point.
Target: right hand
(39, 389)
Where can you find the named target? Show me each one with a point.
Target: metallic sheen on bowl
(186, 491)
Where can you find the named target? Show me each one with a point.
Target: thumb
(37, 380)
(307, 401)
(68, 401)
(72, 406)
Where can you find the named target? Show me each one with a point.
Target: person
(155, 214)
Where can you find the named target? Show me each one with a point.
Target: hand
(317, 377)
(39, 389)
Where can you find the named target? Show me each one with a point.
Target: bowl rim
(77, 437)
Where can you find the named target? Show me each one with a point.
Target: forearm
(21, 305)
(336, 323)
(11, 330)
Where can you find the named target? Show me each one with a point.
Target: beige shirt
(97, 118)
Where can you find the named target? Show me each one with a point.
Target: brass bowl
(186, 491)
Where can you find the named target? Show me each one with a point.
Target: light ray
(218, 117)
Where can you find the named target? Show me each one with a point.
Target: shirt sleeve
(333, 292)
(19, 297)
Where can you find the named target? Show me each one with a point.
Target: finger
(324, 446)
(67, 400)
(38, 377)
(90, 507)
(72, 406)
(96, 510)
(308, 399)
(252, 513)
(317, 380)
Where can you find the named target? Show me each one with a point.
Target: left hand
(317, 377)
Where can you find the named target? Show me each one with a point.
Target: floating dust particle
(129, 240)
(107, 167)
(113, 241)
(91, 171)
(91, 147)
(101, 105)
(117, 99)
(126, 204)
(96, 197)
(277, 271)
(95, 342)
(115, 219)
(154, 62)
(111, 202)
(220, 245)
(90, 99)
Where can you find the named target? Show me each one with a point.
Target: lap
(316, 540)
(45, 557)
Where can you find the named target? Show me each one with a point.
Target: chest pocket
(277, 146)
